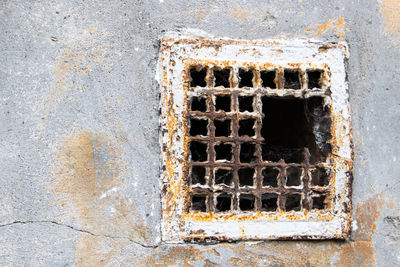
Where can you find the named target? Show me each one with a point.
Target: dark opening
(245, 78)
(269, 202)
(320, 176)
(198, 175)
(199, 202)
(246, 176)
(222, 127)
(268, 79)
(314, 78)
(293, 176)
(223, 151)
(247, 151)
(223, 102)
(290, 125)
(292, 202)
(245, 103)
(222, 77)
(223, 176)
(223, 202)
(198, 77)
(198, 150)
(199, 104)
(318, 202)
(198, 127)
(292, 79)
(246, 202)
(246, 127)
(270, 176)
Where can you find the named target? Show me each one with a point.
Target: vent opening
(223, 103)
(314, 78)
(199, 104)
(223, 176)
(245, 103)
(268, 79)
(198, 76)
(246, 202)
(222, 77)
(223, 202)
(292, 79)
(246, 176)
(198, 175)
(223, 151)
(270, 176)
(246, 127)
(222, 127)
(269, 202)
(245, 78)
(292, 202)
(199, 203)
(198, 127)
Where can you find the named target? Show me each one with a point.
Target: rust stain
(89, 186)
(337, 25)
(390, 10)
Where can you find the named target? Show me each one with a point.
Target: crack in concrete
(79, 230)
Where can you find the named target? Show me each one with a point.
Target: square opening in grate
(245, 103)
(320, 176)
(223, 176)
(223, 151)
(314, 79)
(293, 176)
(199, 202)
(247, 152)
(319, 202)
(268, 79)
(198, 151)
(246, 202)
(269, 202)
(198, 77)
(292, 79)
(223, 102)
(292, 202)
(246, 127)
(198, 127)
(222, 77)
(270, 176)
(198, 175)
(222, 127)
(198, 103)
(224, 202)
(290, 126)
(246, 176)
(245, 78)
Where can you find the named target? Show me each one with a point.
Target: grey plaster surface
(77, 81)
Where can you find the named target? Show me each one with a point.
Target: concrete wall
(79, 153)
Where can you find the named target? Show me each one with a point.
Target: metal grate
(245, 152)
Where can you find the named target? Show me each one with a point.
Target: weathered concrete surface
(79, 146)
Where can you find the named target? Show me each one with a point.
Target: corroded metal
(180, 223)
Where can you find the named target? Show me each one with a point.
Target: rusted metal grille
(233, 114)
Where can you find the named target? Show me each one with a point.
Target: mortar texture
(79, 119)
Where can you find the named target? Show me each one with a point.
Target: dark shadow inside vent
(246, 127)
(198, 175)
(246, 176)
(268, 79)
(199, 203)
(290, 125)
(247, 152)
(293, 176)
(198, 150)
(320, 177)
(223, 102)
(198, 77)
(198, 127)
(269, 202)
(223, 202)
(245, 78)
(223, 151)
(222, 77)
(199, 104)
(314, 78)
(222, 127)
(245, 103)
(223, 176)
(318, 202)
(292, 202)
(292, 79)
(270, 176)
(246, 202)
